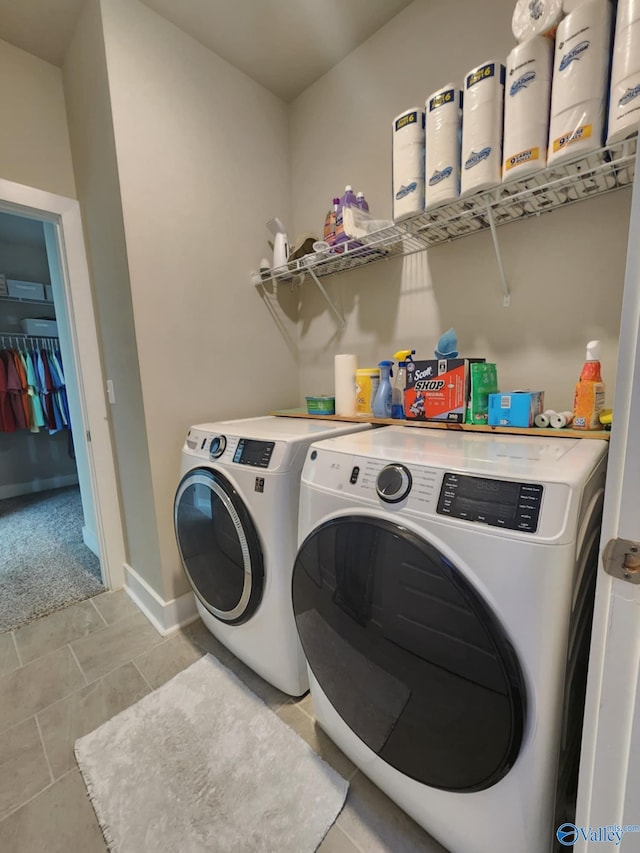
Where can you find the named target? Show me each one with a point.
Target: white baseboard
(91, 541)
(14, 490)
(165, 616)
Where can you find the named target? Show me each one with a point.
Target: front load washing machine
(235, 517)
(443, 591)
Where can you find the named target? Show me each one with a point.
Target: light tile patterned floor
(64, 675)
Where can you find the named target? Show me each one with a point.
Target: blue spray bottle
(382, 402)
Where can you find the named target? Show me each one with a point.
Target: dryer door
(408, 653)
(218, 545)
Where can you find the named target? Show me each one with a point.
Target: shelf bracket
(322, 290)
(506, 293)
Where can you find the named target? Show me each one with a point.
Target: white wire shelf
(605, 170)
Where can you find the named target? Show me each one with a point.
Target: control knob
(217, 446)
(393, 483)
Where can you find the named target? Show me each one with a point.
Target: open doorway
(93, 469)
(50, 554)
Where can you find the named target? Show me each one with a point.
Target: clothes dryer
(235, 518)
(443, 592)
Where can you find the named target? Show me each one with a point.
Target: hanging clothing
(14, 389)
(32, 391)
(7, 421)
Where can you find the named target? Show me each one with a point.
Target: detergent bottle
(588, 399)
(397, 403)
(383, 400)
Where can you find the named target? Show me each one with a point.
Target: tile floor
(64, 675)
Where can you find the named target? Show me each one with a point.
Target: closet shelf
(605, 170)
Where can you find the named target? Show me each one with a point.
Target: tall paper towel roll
(481, 153)
(345, 367)
(442, 169)
(579, 90)
(624, 100)
(526, 107)
(536, 18)
(408, 163)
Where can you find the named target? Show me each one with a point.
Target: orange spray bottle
(588, 400)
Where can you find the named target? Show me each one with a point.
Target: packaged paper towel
(624, 101)
(580, 75)
(481, 154)
(527, 99)
(408, 163)
(536, 18)
(442, 165)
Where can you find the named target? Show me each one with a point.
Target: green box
(483, 381)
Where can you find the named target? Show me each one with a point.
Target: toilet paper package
(527, 100)
(408, 163)
(442, 163)
(580, 81)
(536, 18)
(624, 100)
(481, 151)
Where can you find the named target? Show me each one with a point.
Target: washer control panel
(499, 503)
(254, 453)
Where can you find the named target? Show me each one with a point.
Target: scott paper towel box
(527, 99)
(624, 100)
(481, 156)
(438, 390)
(408, 163)
(580, 81)
(443, 132)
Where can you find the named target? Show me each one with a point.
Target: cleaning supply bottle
(397, 403)
(383, 400)
(347, 200)
(362, 202)
(330, 223)
(588, 400)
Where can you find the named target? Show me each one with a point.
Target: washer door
(408, 653)
(219, 546)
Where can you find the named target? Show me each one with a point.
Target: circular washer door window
(218, 545)
(408, 653)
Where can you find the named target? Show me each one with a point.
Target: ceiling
(285, 45)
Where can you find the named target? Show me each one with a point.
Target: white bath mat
(202, 764)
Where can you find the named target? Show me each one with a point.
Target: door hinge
(621, 559)
(88, 435)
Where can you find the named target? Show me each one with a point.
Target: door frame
(64, 214)
(609, 783)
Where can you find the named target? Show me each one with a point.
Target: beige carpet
(202, 764)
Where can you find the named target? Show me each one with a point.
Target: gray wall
(565, 269)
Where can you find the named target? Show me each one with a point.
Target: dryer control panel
(499, 503)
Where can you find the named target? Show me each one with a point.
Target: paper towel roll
(536, 18)
(481, 151)
(624, 100)
(442, 164)
(627, 12)
(526, 107)
(408, 163)
(559, 420)
(568, 6)
(345, 367)
(543, 419)
(580, 73)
